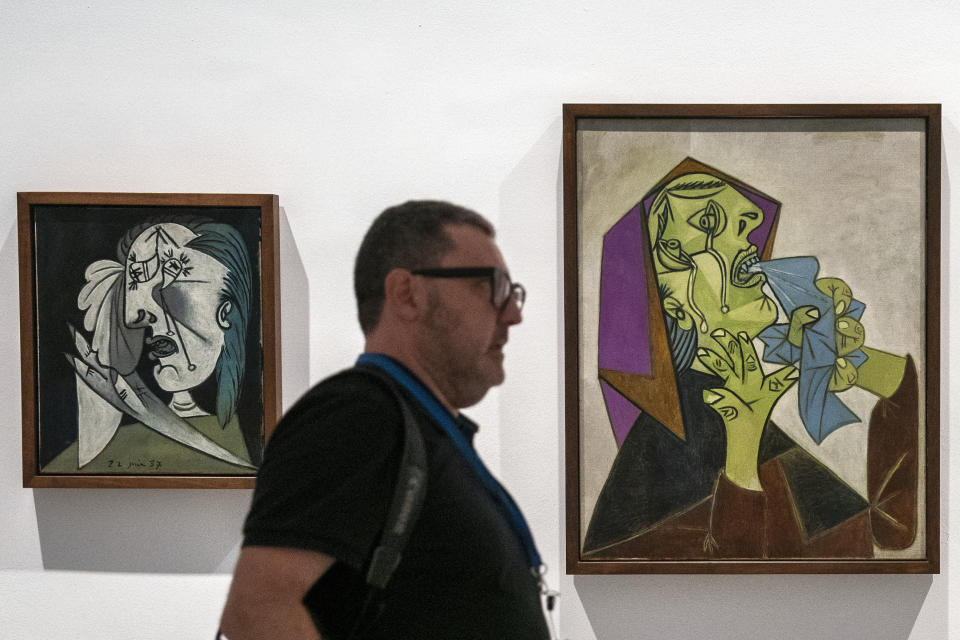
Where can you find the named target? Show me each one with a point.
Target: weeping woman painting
(701, 336)
(160, 358)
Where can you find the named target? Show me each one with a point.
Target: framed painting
(752, 338)
(150, 338)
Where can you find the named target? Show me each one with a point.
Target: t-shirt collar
(465, 425)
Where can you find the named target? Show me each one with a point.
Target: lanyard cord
(445, 420)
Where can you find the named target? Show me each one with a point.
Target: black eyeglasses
(502, 290)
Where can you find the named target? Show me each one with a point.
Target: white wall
(343, 109)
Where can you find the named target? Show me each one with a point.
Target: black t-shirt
(325, 485)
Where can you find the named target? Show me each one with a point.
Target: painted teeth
(746, 265)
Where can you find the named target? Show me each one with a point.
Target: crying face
(174, 293)
(708, 222)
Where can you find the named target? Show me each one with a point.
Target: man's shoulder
(347, 387)
(351, 404)
(328, 470)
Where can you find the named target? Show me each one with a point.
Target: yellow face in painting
(700, 225)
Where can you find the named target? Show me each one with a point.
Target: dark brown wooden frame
(572, 113)
(270, 330)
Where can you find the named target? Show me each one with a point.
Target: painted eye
(703, 220)
(174, 267)
(140, 271)
(711, 219)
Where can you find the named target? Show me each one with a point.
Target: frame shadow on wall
(171, 530)
(880, 607)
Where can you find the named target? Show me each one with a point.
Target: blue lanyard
(445, 420)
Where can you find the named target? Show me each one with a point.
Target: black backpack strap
(408, 494)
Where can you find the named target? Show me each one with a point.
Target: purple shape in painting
(758, 237)
(622, 412)
(623, 340)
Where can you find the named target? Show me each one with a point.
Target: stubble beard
(462, 372)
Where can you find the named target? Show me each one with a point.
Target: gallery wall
(343, 109)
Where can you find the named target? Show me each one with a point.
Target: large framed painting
(752, 338)
(150, 338)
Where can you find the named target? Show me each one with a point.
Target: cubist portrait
(701, 335)
(160, 355)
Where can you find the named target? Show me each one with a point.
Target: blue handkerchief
(792, 281)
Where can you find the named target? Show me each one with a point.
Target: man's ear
(403, 295)
(222, 312)
(674, 308)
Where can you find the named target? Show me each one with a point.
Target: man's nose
(511, 314)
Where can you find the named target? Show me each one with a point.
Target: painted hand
(744, 402)
(799, 319)
(125, 393)
(849, 334)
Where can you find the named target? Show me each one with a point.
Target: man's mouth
(740, 274)
(160, 347)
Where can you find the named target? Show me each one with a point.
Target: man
(435, 304)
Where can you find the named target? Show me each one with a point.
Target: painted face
(463, 335)
(173, 291)
(710, 228)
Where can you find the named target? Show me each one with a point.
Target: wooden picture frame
(674, 289)
(150, 338)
